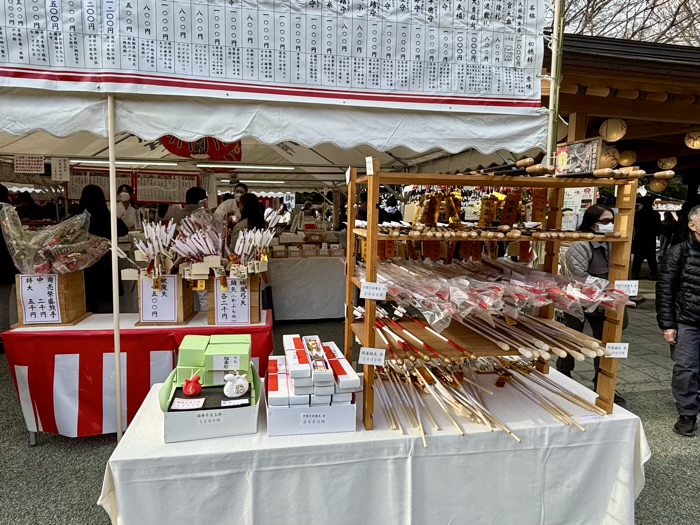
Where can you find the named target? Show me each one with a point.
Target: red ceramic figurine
(192, 387)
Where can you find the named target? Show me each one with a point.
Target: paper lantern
(668, 163)
(627, 157)
(692, 140)
(613, 129)
(658, 185)
(609, 158)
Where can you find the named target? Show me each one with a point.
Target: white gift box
(296, 420)
(345, 376)
(320, 400)
(277, 363)
(341, 398)
(298, 365)
(303, 381)
(335, 352)
(294, 398)
(277, 390)
(303, 390)
(292, 342)
(324, 390)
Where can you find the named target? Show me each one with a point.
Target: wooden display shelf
(619, 257)
(460, 334)
(523, 238)
(423, 179)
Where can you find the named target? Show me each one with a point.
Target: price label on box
(372, 356)
(210, 418)
(312, 419)
(234, 402)
(226, 362)
(618, 350)
(373, 291)
(187, 404)
(631, 288)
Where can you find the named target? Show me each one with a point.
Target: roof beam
(646, 130)
(630, 109)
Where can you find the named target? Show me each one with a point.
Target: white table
(557, 475)
(308, 288)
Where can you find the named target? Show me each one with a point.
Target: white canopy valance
(23, 111)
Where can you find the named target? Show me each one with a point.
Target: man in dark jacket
(678, 315)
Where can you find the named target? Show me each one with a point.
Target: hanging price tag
(631, 288)
(372, 356)
(373, 291)
(312, 419)
(347, 177)
(618, 350)
(369, 164)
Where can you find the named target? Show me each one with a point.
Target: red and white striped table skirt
(65, 377)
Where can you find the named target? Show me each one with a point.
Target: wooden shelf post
(619, 270)
(350, 266)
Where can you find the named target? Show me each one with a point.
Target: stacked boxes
(212, 357)
(317, 374)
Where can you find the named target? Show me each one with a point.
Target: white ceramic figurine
(236, 385)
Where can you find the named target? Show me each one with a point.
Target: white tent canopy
(319, 141)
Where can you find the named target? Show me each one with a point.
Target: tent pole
(115, 260)
(554, 73)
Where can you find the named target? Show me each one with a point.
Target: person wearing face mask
(231, 206)
(584, 259)
(126, 210)
(678, 315)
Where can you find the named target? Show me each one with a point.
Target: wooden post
(619, 270)
(337, 203)
(350, 266)
(371, 276)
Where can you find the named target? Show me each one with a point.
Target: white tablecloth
(557, 475)
(308, 288)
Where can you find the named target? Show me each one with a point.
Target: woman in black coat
(98, 278)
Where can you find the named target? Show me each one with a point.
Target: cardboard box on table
(254, 298)
(69, 293)
(185, 425)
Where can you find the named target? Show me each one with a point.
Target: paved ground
(58, 482)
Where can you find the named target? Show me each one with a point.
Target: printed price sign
(29, 164)
(234, 402)
(347, 177)
(159, 305)
(227, 362)
(618, 350)
(210, 418)
(233, 306)
(187, 404)
(631, 288)
(369, 164)
(373, 291)
(372, 356)
(39, 297)
(60, 169)
(312, 419)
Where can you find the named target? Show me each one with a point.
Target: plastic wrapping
(63, 248)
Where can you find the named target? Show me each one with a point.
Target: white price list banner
(375, 291)
(631, 288)
(372, 356)
(313, 419)
(60, 169)
(618, 350)
(464, 56)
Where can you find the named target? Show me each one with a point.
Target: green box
(227, 357)
(192, 350)
(230, 339)
(186, 372)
